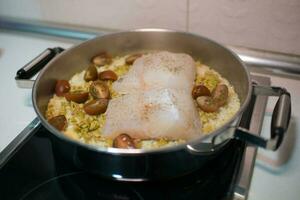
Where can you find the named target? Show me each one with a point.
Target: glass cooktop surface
(37, 171)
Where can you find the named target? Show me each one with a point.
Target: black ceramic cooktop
(36, 171)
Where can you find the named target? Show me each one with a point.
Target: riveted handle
(34, 66)
(280, 119)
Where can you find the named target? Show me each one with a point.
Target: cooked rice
(88, 128)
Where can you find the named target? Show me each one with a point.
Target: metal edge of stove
(19, 141)
(243, 182)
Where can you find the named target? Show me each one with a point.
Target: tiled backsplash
(270, 24)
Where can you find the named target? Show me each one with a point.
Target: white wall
(264, 24)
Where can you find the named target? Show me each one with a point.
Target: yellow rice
(88, 128)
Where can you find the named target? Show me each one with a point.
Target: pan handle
(280, 119)
(34, 66)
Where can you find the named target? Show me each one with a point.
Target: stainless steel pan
(138, 165)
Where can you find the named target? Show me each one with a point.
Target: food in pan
(148, 100)
(155, 99)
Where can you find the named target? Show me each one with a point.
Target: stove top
(37, 172)
(31, 168)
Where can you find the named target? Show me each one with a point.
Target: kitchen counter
(16, 107)
(275, 176)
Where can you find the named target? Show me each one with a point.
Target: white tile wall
(270, 24)
(115, 14)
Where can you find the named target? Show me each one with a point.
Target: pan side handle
(24, 75)
(280, 119)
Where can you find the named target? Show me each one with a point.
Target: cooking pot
(138, 164)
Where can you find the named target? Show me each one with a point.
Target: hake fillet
(156, 101)
(165, 113)
(157, 71)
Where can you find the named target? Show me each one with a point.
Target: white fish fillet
(158, 70)
(157, 100)
(165, 113)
